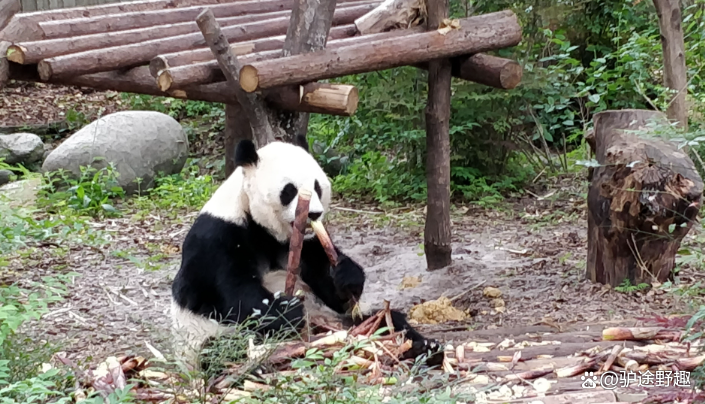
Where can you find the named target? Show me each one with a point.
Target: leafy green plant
(627, 287)
(187, 189)
(92, 193)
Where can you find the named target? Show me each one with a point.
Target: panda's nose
(314, 215)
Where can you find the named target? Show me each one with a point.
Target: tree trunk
(310, 23)
(181, 58)
(120, 57)
(675, 75)
(437, 245)
(642, 200)
(8, 9)
(237, 128)
(475, 34)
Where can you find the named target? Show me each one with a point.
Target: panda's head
(271, 179)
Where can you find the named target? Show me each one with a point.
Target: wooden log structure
(230, 13)
(25, 26)
(485, 69)
(392, 14)
(643, 199)
(473, 35)
(34, 51)
(120, 57)
(320, 98)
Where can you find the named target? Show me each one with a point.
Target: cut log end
(164, 80)
(249, 80)
(338, 99)
(510, 77)
(45, 71)
(15, 53)
(158, 64)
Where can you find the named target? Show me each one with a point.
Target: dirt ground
(533, 250)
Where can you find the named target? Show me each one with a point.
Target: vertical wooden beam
(237, 128)
(675, 74)
(308, 31)
(437, 245)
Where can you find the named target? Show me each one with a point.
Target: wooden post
(642, 200)
(437, 245)
(310, 23)
(237, 128)
(675, 75)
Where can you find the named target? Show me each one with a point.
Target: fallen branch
(640, 333)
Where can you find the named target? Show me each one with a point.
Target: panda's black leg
(420, 344)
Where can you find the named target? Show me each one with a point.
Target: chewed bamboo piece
(327, 244)
(296, 241)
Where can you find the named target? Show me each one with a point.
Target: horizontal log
(34, 51)
(25, 26)
(209, 71)
(314, 97)
(473, 35)
(485, 69)
(391, 14)
(144, 19)
(124, 56)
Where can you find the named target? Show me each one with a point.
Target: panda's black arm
(334, 286)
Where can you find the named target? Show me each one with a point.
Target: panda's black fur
(221, 277)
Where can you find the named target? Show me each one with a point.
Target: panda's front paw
(349, 279)
(283, 313)
(430, 347)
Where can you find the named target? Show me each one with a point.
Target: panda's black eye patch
(288, 194)
(317, 188)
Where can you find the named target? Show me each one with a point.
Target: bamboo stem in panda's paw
(326, 242)
(296, 241)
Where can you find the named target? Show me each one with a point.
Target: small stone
(21, 148)
(491, 292)
(5, 176)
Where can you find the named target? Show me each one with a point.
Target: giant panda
(234, 256)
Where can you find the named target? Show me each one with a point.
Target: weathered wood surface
(144, 19)
(675, 73)
(474, 35)
(25, 26)
(4, 65)
(256, 110)
(124, 56)
(8, 9)
(642, 199)
(139, 81)
(209, 71)
(34, 51)
(392, 14)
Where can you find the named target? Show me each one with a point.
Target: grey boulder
(21, 148)
(141, 144)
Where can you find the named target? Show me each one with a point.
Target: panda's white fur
(255, 190)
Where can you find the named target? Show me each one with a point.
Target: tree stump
(642, 199)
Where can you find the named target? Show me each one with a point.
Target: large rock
(141, 144)
(5, 176)
(21, 148)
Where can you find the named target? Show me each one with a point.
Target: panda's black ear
(246, 154)
(300, 140)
